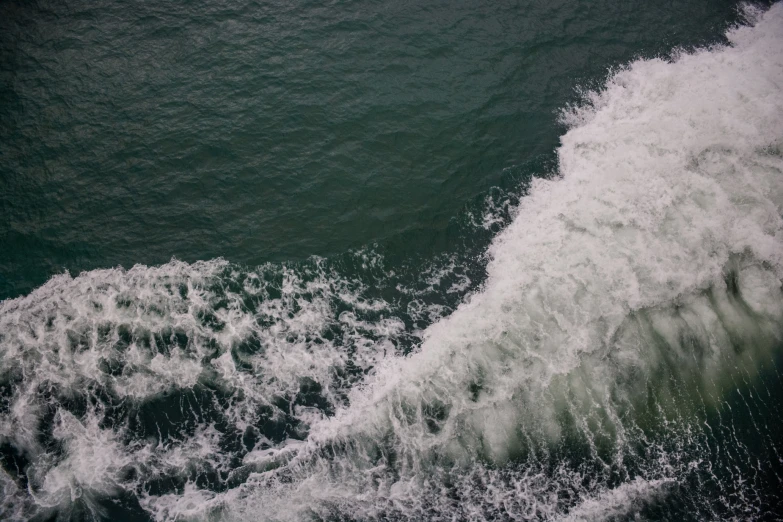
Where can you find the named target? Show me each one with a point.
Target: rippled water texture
(431, 262)
(135, 131)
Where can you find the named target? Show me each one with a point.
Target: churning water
(615, 352)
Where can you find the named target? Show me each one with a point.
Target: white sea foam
(117, 340)
(650, 266)
(655, 257)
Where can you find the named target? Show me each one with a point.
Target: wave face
(619, 361)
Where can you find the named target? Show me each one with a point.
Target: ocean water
(401, 261)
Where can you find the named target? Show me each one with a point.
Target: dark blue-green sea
(391, 261)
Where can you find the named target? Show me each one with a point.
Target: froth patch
(161, 378)
(630, 293)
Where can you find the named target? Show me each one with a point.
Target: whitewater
(633, 301)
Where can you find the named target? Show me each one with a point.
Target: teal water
(391, 261)
(134, 133)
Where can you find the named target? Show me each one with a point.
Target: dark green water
(391, 261)
(273, 131)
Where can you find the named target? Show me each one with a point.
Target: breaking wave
(620, 351)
